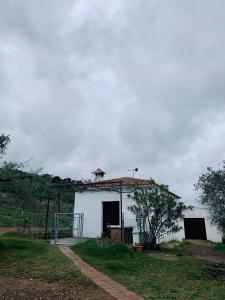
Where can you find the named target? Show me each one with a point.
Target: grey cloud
(115, 85)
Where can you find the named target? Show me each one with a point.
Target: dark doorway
(195, 228)
(110, 214)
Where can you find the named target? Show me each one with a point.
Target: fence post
(56, 229)
(80, 227)
(82, 224)
(46, 218)
(123, 238)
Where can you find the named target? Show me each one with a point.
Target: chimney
(99, 174)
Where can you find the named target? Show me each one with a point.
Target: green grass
(219, 248)
(177, 249)
(154, 278)
(12, 217)
(33, 258)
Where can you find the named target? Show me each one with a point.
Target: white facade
(212, 234)
(90, 203)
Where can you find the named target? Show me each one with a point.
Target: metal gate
(68, 228)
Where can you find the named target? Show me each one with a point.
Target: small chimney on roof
(99, 174)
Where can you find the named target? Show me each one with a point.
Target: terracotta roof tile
(126, 181)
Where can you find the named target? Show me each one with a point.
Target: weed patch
(93, 248)
(216, 271)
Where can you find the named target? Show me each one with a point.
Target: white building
(106, 202)
(196, 225)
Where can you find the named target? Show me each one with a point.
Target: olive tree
(211, 185)
(4, 140)
(157, 212)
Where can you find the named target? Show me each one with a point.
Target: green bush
(219, 247)
(93, 248)
(10, 234)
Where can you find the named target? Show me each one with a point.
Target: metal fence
(72, 228)
(68, 228)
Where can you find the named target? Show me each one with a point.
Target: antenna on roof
(133, 170)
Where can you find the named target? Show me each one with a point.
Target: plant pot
(138, 248)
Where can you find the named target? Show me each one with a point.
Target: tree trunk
(58, 200)
(153, 244)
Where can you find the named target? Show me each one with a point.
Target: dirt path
(203, 250)
(195, 248)
(14, 288)
(161, 255)
(8, 229)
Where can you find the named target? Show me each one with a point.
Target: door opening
(110, 214)
(195, 228)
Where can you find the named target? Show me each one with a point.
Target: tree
(157, 212)
(23, 184)
(212, 195)
(4, 140)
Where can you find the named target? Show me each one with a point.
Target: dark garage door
(195, 228)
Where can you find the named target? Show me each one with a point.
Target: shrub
(219, 247)
(10, 234)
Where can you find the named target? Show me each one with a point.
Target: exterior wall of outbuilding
(90, 203)
(212, 234)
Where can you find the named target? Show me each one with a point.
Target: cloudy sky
(116, 85)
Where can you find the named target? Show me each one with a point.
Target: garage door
(195, 228)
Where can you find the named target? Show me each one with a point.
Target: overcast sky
(116, 85)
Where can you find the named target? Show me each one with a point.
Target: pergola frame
(111, 186)
(83, 186)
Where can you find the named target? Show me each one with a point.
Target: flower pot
(138, 248)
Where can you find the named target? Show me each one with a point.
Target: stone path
(115, 289)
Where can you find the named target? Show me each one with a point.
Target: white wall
(90, 203)
(212, 234)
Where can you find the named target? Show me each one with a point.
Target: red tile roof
(126, 181)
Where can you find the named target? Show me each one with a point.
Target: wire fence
(63, 228)
(68, 228)
(35, 223)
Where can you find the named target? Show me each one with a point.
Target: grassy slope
(11, 217)
(27, 257)
(155, 278)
